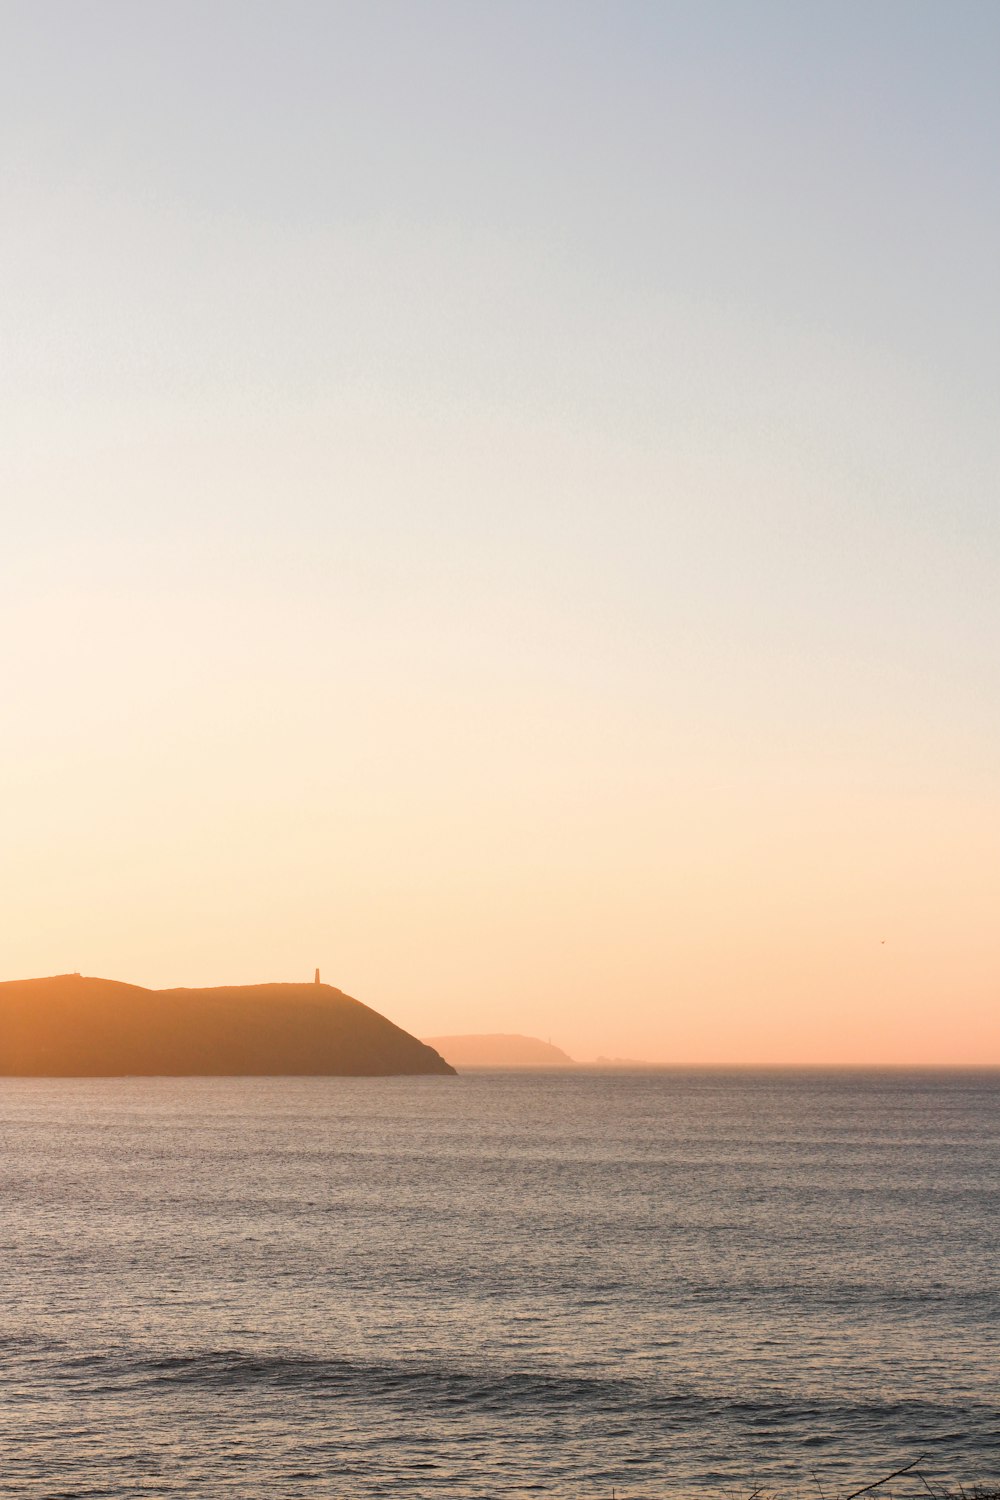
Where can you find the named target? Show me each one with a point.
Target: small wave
(446, 1384)
(451, 1388)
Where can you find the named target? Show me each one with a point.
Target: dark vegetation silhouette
(70, 1026)
(918, 1485)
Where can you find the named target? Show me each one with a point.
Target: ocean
(560, 1284)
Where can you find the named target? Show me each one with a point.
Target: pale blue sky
(511, 451)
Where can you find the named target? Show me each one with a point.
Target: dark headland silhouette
(500, 1051)
(70, 1026)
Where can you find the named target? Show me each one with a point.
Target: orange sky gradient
(506, 512)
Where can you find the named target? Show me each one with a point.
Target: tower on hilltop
(316, 980)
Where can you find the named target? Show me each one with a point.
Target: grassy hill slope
(75, 1027)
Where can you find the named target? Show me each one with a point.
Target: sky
(500, 501)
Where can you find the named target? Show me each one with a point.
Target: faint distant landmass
(621, 1062)
(499, 1051)
(70, 1026)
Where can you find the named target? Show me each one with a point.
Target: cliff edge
(70, 1026)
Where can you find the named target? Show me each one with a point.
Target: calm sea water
(500, 1284)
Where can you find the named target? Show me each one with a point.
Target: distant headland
(71, 1026)
(500, 1051)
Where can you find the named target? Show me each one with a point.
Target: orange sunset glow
(500, 755)
(584, 630)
